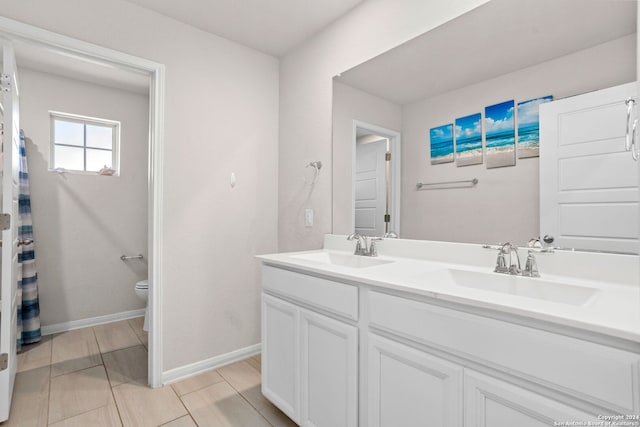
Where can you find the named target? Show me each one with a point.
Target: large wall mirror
(503, 51)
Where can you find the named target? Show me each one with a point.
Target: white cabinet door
(490, 402)
(408, 387)
(329, 372)
(280, 355)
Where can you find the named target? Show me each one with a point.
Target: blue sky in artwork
(529, 111)
(499, 118)
(469, 126)
(441, 141)
(442, 134)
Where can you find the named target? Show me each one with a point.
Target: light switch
(308, 217)
(232, 180)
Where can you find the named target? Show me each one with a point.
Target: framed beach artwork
(529, 127)
(469, 140)
(441, 144)
(500, 135)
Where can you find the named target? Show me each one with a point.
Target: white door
(588, 182)
(370, 188)
(489, 402)
(10, 186)
(408, 387)
(329, 372)
(280, 355)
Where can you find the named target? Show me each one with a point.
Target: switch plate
(308, 217)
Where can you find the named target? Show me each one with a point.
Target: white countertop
(614, 310)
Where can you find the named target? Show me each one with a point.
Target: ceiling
(497, 38)
(270, 26)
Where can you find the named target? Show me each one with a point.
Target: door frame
(18, 31)
(394, 189)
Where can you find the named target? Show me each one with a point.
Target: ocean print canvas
(500, 135)
(469, 140)
(529, 127)
(441, 143)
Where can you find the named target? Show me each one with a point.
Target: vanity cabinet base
(309, 365)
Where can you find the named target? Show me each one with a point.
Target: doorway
(376, 180)
(113, 62)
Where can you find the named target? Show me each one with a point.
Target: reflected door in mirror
(370, 187)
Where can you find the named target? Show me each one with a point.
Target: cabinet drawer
(602, 375)
(335, 297)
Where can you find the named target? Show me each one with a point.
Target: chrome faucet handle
(356, 236)
(373, 250)
(531, 266)
(535, 243)
(501, 264)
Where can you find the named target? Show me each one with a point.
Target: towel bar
(468, 182)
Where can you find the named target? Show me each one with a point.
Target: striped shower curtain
(28, 303)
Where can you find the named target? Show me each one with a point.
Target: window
(83, 144)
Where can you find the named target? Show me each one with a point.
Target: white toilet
(142, 291)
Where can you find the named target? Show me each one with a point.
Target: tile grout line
(243, 396)
(50, 379)
(200, 388)
(113, 396)
(74, 372)
(183, 405)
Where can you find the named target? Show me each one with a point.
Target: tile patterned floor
(97, 377)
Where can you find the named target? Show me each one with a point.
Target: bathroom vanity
(426, 334)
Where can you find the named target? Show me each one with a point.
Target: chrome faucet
(363, 247)
(512, 265)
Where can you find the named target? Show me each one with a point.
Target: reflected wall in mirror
(504, 50)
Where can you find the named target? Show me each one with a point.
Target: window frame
(84, 120)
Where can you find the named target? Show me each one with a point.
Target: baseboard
(187, 371)
(92, 321)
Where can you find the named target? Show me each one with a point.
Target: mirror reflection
(468, 76)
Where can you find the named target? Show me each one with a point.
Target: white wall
(504, 206)
(351, 104)
(83, 223)
(221, 117)
(306, 97)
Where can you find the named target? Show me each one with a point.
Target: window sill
(76, 172)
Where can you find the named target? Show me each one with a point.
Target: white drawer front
(603, 375)
(338, 298)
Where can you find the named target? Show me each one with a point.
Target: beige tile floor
(95, 377)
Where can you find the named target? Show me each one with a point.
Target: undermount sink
(344, 260)
(527, 287)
